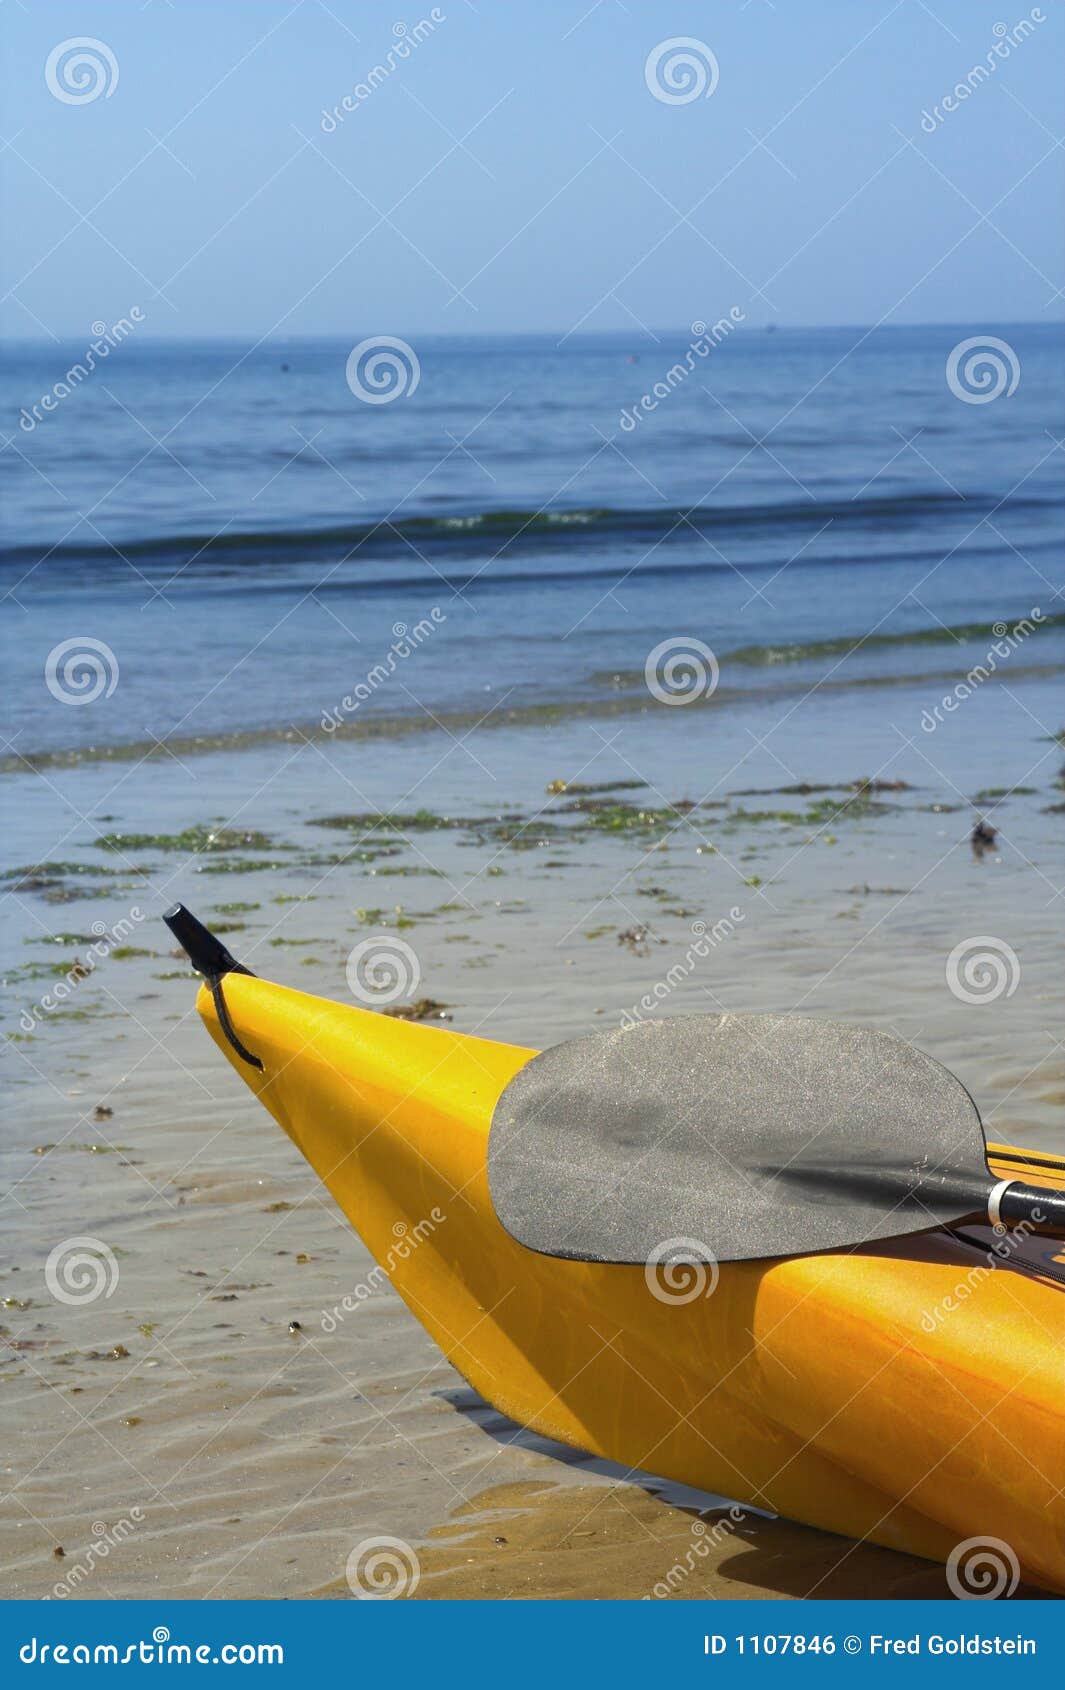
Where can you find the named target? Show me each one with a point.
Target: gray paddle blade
(727, 1137)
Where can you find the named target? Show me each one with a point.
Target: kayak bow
(907, 1392)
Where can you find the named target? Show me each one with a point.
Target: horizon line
(342, 335)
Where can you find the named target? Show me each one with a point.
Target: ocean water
(250, 542)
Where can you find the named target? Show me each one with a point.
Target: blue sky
(515, 171)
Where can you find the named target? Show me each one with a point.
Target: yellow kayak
(904, 1394)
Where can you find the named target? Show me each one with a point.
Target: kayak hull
(903, 1393)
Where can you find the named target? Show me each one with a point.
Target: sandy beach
(202, 1418)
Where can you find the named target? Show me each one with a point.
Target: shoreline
(553, 713)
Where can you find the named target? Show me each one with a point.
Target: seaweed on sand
(202, 836)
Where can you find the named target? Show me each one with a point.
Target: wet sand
(553, 1542)
(176, 1419)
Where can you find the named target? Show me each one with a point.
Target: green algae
(243, 865)
(372, 821)
(406, 869)
(422, 1009)
(201, 836)
(57, 970)
(61, 939)
(55, 871)
(585, 788)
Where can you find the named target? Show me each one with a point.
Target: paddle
(723, 1138)
(729, 1137)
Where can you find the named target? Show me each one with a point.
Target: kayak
(908, 1393)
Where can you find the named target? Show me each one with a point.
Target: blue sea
(248, 537)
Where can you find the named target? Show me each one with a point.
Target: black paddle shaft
(1031, 1206)
(1011, 1203)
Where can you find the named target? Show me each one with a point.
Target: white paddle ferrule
(994, 1201)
